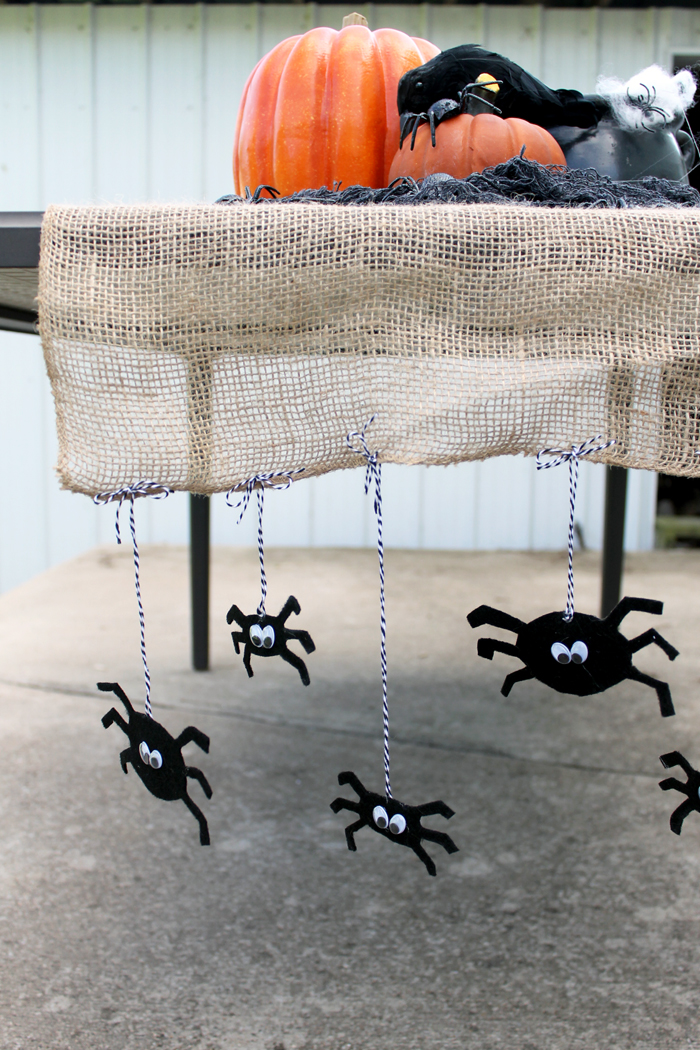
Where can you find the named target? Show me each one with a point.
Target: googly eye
(268, 637)
(397, 824)
(145, 752)
(579, 653)
(156, 760)
(560, 653)
(256, 635)
(380, 817)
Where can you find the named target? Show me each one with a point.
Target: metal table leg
(199, 580)
(613, 537)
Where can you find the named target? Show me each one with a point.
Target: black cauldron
(628, 155)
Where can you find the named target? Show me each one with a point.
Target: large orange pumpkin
(466, 143)
(321, 108)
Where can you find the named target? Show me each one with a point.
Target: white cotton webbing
(203, 345)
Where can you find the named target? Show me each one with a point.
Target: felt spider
(265, 635)
(447, 78)
(156, 755)
(691, 788)
(583, 656)
(394, 820)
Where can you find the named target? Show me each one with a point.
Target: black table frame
(19, 247)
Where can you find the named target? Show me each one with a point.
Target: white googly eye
(268, 637)
(579, 653)
(560, 653)
(256, 635)
(156, 760)
(397, 824)
(380, 817)
(144, 751)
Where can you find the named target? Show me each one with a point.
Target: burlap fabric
(198, 346)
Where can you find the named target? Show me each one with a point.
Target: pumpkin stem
(355, 19)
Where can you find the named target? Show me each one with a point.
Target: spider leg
(425, 857)
(429, 809)
(114, 716)
(515, 676)
(204, 839)
(416, 125)
(406, 126)
(494, 618)
(442, 839)
(628, 605)
(486, 647)
(671, 784)
(238, 637)
(662, 690)
(196, 774)
(191, 733)
(344, 803)
(125, 757)
(304, 637)
(235, 613)
(298, 663)
(290, 606)
(675, 758)
(679, 815)
(649, 637)
(350, 833)
(432, 127)
(354, 781)
(246, 660)
(114, 687)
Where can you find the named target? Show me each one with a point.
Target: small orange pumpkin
(465, 144)
(321, 108)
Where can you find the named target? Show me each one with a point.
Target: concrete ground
(569, 920)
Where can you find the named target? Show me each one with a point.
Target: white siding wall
(139, 103)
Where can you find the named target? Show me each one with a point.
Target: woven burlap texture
(198, 346)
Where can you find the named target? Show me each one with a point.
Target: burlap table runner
(198, 346)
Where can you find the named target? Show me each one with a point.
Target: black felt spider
(691, 788)
(265, 635)
(156, 755)
(394, 820)
(583, 656)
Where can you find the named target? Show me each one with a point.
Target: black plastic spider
(583, 656)
(267, 636)
(691, 788)
(394, 820)
(250, 198)
(156, 755)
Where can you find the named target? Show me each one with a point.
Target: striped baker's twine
(374, 473)
(571, 456)
(130, 493)
(280, 479)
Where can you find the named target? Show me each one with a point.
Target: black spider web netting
(518, 181)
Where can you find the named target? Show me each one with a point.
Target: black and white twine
(374, 473)
(280, 479)
(130, 493)
(571, 456)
